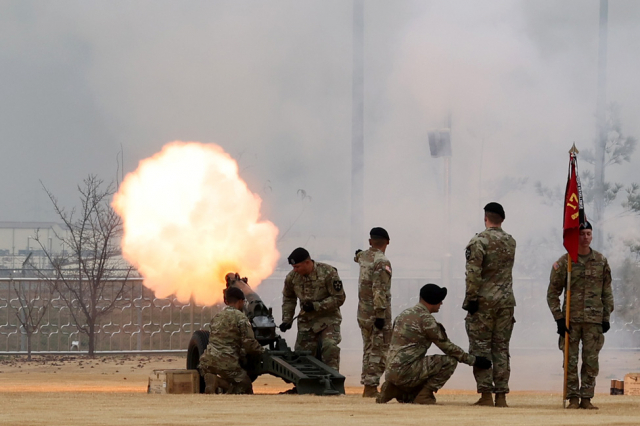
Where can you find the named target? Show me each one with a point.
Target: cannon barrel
(260, 317)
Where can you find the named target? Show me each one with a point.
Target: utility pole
(601, 128)
(357, 127)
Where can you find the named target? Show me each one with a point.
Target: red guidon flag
(573, 208)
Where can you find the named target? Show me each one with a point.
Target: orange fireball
(189, 219)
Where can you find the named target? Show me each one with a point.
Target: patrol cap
(298, 255)
(586, 225)
(233, 294)
(496, 208)
(379, 232)
(433, 294)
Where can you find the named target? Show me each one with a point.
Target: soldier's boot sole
(574, 403)
(388, 391)
(501, 400)
(370, 391)
(586, 404)
(486, 400)
(425, 397)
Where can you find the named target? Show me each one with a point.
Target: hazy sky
(270, 82)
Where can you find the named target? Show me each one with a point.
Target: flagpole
(566, 333)
(573, 169)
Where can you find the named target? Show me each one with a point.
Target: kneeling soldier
(230, 339)
(410, 375)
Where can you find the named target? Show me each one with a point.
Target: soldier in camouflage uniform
(591, 307)
(230, 339)
(410, 376)
(490, 303)
(374, 309)
(320, 291)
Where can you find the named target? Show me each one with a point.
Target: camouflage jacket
(323, 287)
(231, 335)
(490, 256)
(414, 330)
(374, 285)
(591, 294)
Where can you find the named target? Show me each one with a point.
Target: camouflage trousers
(375, 344)
(227, 368)
(431, 371)
(328, 338)
(592, 341)
(489, 334)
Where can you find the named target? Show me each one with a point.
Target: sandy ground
(112, 391)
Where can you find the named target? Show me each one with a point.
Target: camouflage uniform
(230, 339)
(374, 301)
(490, 255)
(323, 287)
(591, 304)
(414, 330)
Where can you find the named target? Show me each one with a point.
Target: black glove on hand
(482, 363)
(562, 327)
(285, 326)
(473, 306)
(605, 326)
(379, 323)
(358, 251)
(308, 306)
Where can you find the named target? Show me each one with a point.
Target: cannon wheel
(197, 346)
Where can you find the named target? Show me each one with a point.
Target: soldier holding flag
(584, 276)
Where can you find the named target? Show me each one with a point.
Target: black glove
(473, 306)
(605, 326)
(285, 326)
(482, 363)
(308, 306)
(358, 251)
(562, 327)
(379, 323)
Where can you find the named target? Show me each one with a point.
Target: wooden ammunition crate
(174, 381)
(632, 384)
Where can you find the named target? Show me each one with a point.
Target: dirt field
(112, 391)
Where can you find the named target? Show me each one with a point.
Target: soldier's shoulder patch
(467, 253)
(337, 285)
(556, 266)
(388, 268)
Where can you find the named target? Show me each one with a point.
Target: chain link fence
(140, 322)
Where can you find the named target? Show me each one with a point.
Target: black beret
(234, 293)
(586, 225)
(433, 294)
(298, 255)
(379, 232)
(496, 208)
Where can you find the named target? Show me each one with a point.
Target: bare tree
(90, 274)
(33, 303)
(618, 149)
(612, 148)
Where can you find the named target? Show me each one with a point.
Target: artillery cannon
(301, 368)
